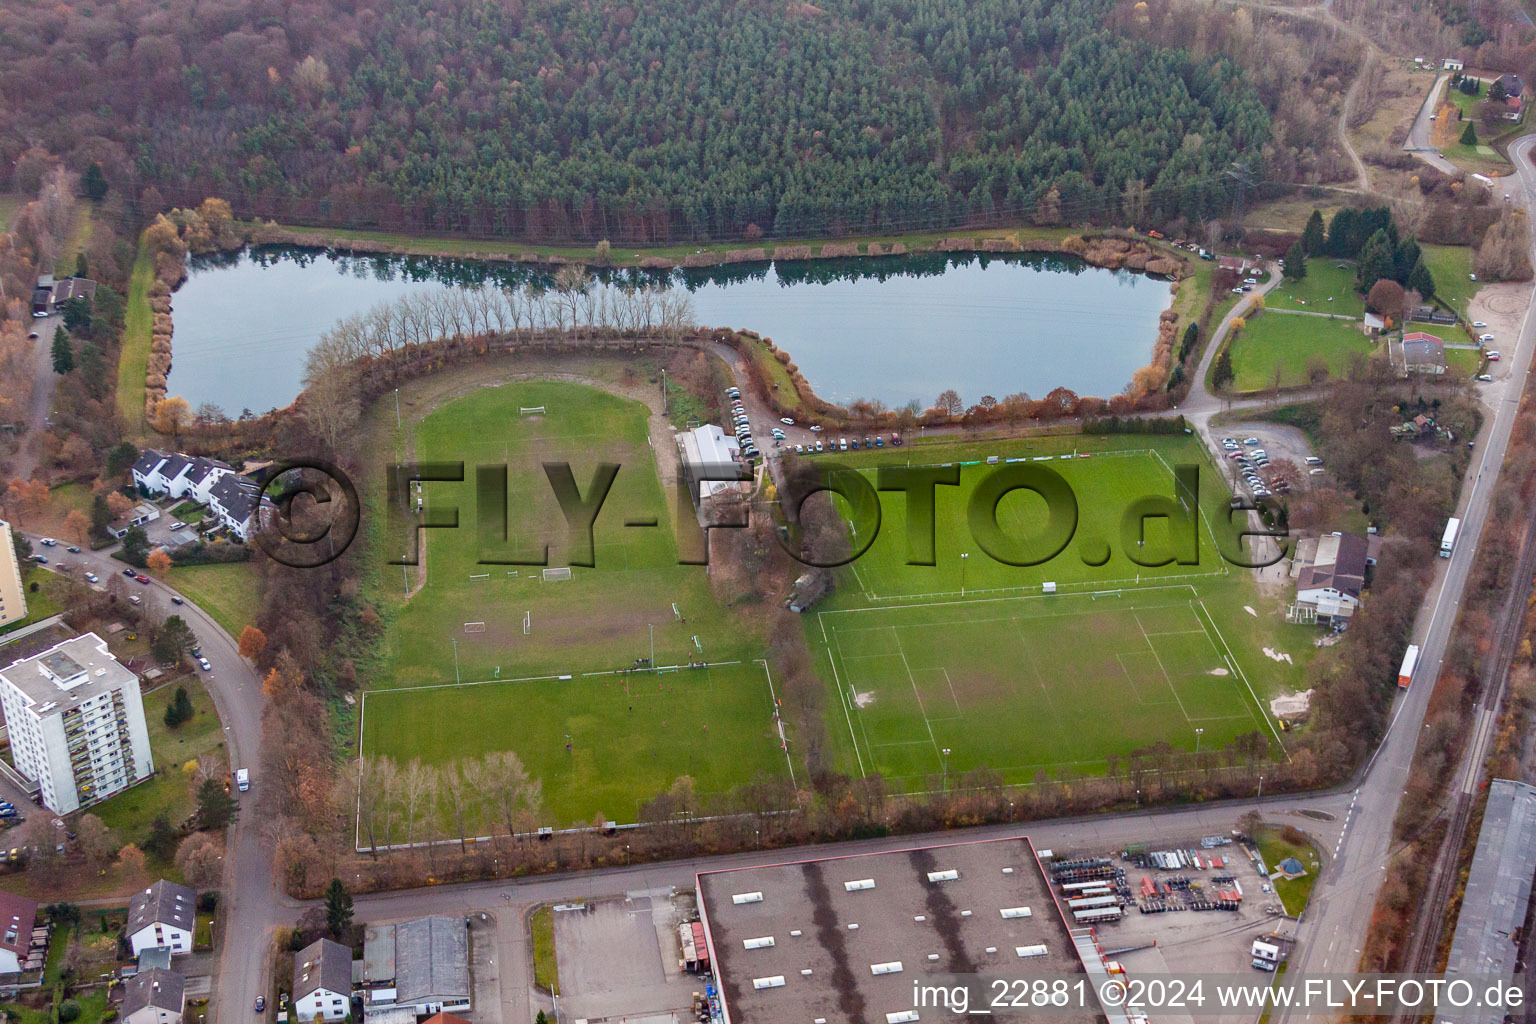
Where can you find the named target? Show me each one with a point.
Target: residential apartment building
(234, 500)
(76, 723)
(13, 597)
(155, 996)
(322, 981)
(163, 916)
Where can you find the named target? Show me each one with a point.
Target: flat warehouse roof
(867, 927)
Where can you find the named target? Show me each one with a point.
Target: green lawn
(1481, 158)
(546, 971)
(41, 603)
(9, 204)
(1001, 676)
(190, 512)
(1293, 892)
(714, 724)
(134, 356)
(1292, 341)
(93, 1008)
(1463, 362)
(1329, 287)
(230, 592)
(170, 792)
(1450, 266)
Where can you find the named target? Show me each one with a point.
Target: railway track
(1424, 940)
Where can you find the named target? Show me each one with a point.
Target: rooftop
(17, 916)
(1498, 892)
(162, 903)
(426, 959)
(1339, 564)
(844, 938)
(155, 987)
(67, 673)
(322, 964)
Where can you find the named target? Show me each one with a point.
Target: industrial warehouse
(844, 938)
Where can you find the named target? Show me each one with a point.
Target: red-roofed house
(17, 916)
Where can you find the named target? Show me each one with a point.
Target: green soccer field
(1022, 685)
(476, 623)
(1105, 474)
(989, 661)
(603, 617)
(630, 735)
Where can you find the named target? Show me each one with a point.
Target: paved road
(44, 381)
(251, 898)
(1418, 142)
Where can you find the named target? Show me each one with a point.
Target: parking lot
(619, 958)
(1265, 459)
(1200, 917)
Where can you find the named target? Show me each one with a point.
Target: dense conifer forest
(645, 122)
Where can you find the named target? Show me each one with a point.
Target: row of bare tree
(422, 803)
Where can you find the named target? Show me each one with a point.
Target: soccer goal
(527, 623)
(562, 573)
(479, 575)
(474, 627)
(530, 410)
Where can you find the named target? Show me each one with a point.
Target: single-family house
(1452, 64)
(200, 476)
(146, 472)
(1419, 353)
(50, 295)
(18, 915)
(322, 981)
(420, 965)
(163, 915)
(1332, 584)
(239, 505)
(1372, 325)
(155, 996)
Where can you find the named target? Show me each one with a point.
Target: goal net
(527, 623)
(530, 410)
(474, 627)
(563, 573)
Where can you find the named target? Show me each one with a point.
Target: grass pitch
(982, 661)
(631, 735)
(1023, 685)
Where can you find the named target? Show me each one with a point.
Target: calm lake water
(899, 329)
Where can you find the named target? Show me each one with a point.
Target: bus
(1448, 541)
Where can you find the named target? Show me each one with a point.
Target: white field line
(1232, 660)
(921, 708)
(1145, 588)
(1162, 668)
(838, 686)
(779, 719)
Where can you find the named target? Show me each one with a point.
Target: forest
(642, 123)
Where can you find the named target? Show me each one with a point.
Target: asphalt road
(1418, 136)
(250, 892)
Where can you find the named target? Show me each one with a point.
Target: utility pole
(945, 757)
(653, 647)
(397, 409)
(663, 390)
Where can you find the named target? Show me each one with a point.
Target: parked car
(142, 579)
(799, 449)
(7, 812)
(1485, 338)
(1485, 377)
(879, 442)
(816, 428)
(1250, 441)
(1478, 324)
(48, 542)
(92, 577)
(1493, 357)
(178, 526)
(854, 444)
(1316, 472)
(819, 446)
(842, 444)
(786, 421)
(177, 600)
(1313, 460)
(72, 549)
(896, 440)
(203, 662)
(129, 573)
(261, 1004)
(40, 560)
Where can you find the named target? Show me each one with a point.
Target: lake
(898, 329)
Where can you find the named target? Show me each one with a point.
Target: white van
(243, 779)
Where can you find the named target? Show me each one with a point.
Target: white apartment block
(13, 597)
(76, 723)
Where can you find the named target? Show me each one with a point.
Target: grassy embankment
(546, 971)
(230, 592)
(134, 357)
(1275, 847)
